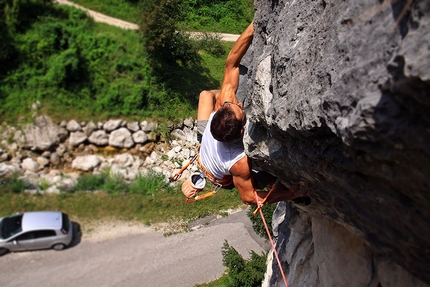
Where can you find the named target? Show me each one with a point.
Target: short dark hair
(225, 126)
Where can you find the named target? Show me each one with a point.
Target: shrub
(65, 59)
(257, 222)
(90, 182)
(163, 45)
(243, 273)
(149, 183)
(210, 43)
(13, 184)
(115, 185)
(230, 16)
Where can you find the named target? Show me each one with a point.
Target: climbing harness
(259, 206)
(213, 181)
(225, 181)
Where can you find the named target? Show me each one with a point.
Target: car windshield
(11, 226)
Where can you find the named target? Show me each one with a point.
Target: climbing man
(220, 124)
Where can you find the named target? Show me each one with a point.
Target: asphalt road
(148, 259)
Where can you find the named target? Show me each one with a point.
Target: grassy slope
(223, 16)
(110, 87)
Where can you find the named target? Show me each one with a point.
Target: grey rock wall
(338, 98)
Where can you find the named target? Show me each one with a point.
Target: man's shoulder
(241, 167)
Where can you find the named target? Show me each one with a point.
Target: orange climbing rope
(259, 206)
(267, 196)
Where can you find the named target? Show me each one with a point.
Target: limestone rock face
(337, 97)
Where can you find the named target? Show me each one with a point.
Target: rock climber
(222, 157)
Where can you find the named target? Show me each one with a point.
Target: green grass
(223, 281)
(121, 9)
(231, 16)
(98, 73)
(148, 199)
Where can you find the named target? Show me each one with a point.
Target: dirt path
(135, 255)
(98, 17)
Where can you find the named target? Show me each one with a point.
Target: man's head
(227, 123)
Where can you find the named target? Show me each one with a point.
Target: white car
(35, 230)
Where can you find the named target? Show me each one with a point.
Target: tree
(164, 46)
(243, 273)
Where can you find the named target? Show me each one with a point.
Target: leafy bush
(257, 222)
(210, 43)
(91, 71)
(241, 272)
(174, 67)
(164, 47)
(229, 16)
(115, 185)
(63, 59)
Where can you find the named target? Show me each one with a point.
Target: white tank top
(218, 157)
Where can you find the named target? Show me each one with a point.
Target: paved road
(148, 259)
(98, 17)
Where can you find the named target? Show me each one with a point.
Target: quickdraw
(205, 195)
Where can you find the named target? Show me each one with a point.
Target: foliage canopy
(241, 272)
(76, 68)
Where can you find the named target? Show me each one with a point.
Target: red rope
(259, 204)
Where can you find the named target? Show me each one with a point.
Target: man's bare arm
(231, 72)
(242, 179)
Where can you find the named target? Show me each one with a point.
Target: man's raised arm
(231, 72)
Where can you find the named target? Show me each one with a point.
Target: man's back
(218, 157)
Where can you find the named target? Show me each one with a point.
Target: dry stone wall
(58, 154)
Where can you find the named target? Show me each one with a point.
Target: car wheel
(58, 246)
(3, 251)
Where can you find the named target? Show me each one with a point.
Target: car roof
(41, 219)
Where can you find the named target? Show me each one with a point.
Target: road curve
(146, 259)
(98, 17)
